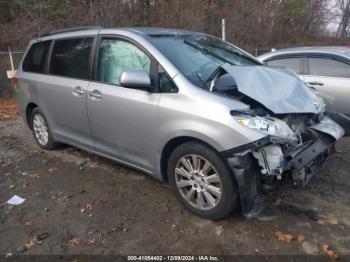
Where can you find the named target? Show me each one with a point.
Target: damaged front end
(298, 134)
(295, 154)
(301, 153)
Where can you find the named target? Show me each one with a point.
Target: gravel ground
(107, 208)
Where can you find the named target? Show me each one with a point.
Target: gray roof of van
(137, 30)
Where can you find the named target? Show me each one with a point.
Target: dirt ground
(107, 208)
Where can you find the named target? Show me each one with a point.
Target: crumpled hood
(279, 91)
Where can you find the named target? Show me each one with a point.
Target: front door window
(117, 56)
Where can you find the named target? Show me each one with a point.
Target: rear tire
(41, 130)
(202, 181)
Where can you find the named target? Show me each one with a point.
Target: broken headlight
(271, 126)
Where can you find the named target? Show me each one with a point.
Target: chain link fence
(6, 88)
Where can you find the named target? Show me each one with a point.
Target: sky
(333, 25)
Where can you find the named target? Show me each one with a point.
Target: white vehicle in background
(326, 69)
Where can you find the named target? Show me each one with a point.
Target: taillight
(14, 80)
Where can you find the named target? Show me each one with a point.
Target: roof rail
(71, 29)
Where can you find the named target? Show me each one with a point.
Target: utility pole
(10, 73)
(223, 26)
(11, 59)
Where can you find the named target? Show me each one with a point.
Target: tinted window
(35, 59)
(291, 63)
(116, 56)
(71, 58)
(328, 67)
(166, 84)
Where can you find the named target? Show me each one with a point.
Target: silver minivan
(187, 108)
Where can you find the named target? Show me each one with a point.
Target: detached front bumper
(277, 157)
(311, 153)
(302, 159)
(306, 161)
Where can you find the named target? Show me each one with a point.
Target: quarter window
(35, 59)
(166, 84)
(70, 58)
(328, 67)
(291, 63)
(116, 56)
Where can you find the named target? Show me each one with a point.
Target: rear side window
(35, 58)
(70, 58)
(328, 67)
(291, 63)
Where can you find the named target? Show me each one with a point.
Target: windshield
(198, 56)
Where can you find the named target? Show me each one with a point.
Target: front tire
(41, 130)
(202, 181)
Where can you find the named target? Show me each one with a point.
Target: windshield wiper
(208, 52)
(213, 82)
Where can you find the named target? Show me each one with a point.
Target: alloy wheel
(198, 182)
(40, 129)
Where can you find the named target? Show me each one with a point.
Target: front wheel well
(170, 146)
(29, 110)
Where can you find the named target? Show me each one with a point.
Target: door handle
(78, 91)
(95, 94)
(315, 83)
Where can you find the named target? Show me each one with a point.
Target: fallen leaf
(31, 243)
(329, 252)
(91, 241)
(8, 109)
(301, 238)
(35, 176)
(74, 241)
(331, 221)
(284, 237)
(90, 206)
(28, 223)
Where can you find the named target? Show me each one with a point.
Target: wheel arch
(171, 145)
(29, 109)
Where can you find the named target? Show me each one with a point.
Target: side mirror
(137, 79)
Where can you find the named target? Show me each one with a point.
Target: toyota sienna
(187, 108)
